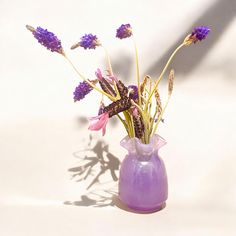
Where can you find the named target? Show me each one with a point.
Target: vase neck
(143, 151)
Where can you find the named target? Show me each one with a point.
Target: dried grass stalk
(143, 85)
(158, 102)
(171, 82)
(138, 126)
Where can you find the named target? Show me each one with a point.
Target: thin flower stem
(162, 73)
(151, 125)
(129, 128)
(137, 71)
(160, 116)
(143, 98)
(108, 60)
(91, 84)
(123, 122)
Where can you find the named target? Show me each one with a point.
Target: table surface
(44, 189)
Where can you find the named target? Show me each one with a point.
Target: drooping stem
(91, 84)
(162, 73)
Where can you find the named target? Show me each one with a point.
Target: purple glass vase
(143, 185)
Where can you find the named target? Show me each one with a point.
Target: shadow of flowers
(99, 199)
(95, 161)
(95, 157)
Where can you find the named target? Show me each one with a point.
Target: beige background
(43, 133)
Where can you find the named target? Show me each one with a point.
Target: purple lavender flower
(82, 90)
(199, 33)
(134, 92)
(124, 31)
(89, 41)
(47, 39)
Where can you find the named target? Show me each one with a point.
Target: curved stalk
(162, 73)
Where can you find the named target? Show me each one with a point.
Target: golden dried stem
(158, 102)
(143, 88)
(171, 82)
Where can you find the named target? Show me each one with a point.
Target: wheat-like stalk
(171, 82)
(144, 83)
(143, 86)
(158, 102)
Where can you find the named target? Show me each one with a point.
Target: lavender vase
(143, 183)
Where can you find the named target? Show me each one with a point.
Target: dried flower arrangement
(134, 101)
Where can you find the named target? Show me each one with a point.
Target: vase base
(141, 210)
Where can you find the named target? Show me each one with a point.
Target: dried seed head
(171, 82)
(158, 102)
(144, 83)
(138, 122)
(118, 106)
(138, 126)
(123, 90)
(106, 87)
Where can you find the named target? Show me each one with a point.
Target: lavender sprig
(124, 31)
(88, 41)
(47, 39)
(82, 90)
(198, 34)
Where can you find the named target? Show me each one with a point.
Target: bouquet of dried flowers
(140, 103)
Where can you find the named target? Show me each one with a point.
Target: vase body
(143, 185)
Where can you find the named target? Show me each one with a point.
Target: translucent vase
(143, 185)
